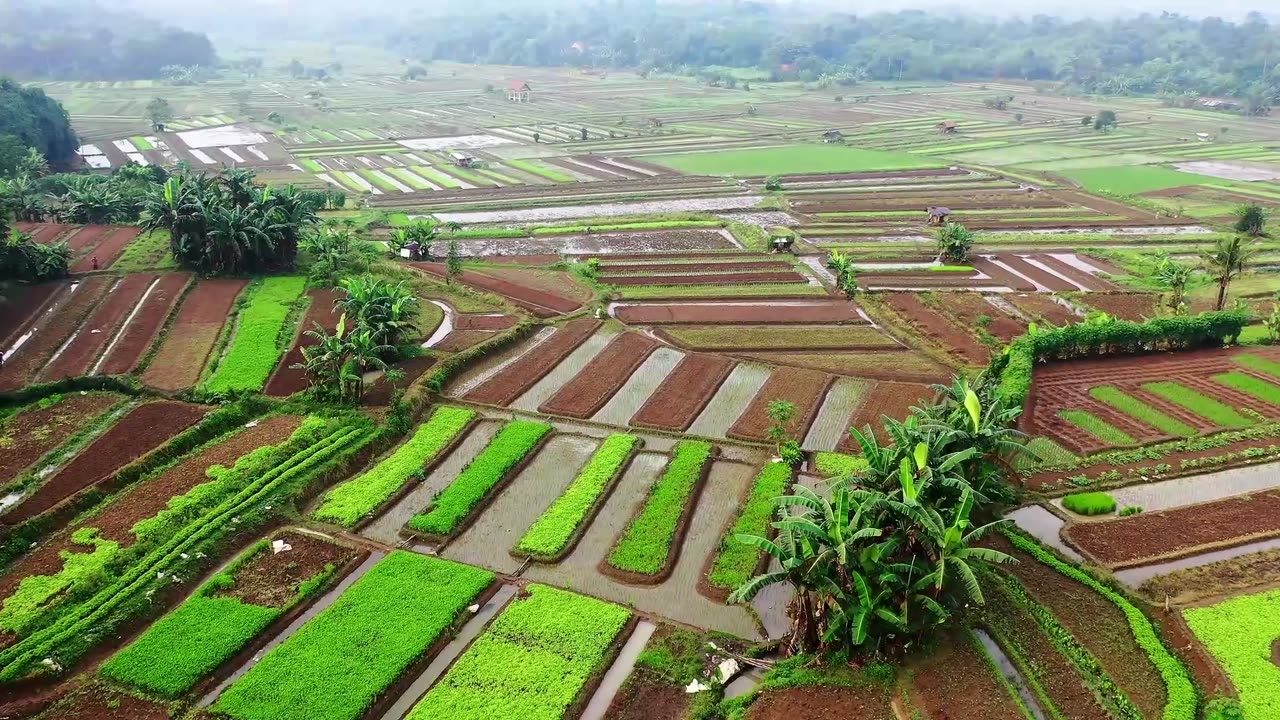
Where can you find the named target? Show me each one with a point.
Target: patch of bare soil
(272, 579)
(646, 697)
(822, 703)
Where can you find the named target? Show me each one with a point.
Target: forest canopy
(74, 40)
(31, 119)
(1147, 54)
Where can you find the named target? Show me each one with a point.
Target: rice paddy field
(646, 267)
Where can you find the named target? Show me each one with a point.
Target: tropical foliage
(225, 224)
(1226, 261)
(25, 260)
(885, 560)
(954, 243)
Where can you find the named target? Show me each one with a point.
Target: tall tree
(1226, 261)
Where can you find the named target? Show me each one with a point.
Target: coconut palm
(1226, 261)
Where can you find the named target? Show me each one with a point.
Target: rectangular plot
(685, 392)
(521, 375)
(802, 388)
(832, 421)
(564, 372)
(733, 397)
(642, 384)
(599, 379)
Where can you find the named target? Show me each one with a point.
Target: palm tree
(1174, 276)
(24, 199)
(1226, 261)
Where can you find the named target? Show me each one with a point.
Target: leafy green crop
(1090, 503)
(532, 662)
(646, 544)
(1206, 407)
(1097, 427)
(832, 464)
(452, 505)
(339, 663)
(1240, 633)
(551, 533)
(1259, 363)
(737, 561)
(1250, 385)
(39, 594)
(1140, 411)
(255, 348)
(356, 498)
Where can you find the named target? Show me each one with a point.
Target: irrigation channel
(1010, 673)
(618, 672)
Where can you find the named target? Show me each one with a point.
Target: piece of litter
(185, 556)
(279, 546)
(726, 670)
(696, 687)
(251, 423)
(473, 609)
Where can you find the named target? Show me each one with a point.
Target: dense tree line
(29, 119)
(77, 40)
(1145, 54)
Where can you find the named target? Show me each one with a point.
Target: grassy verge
(339, 663)
(149, 251)
(736, 560)
(1206, 407)
(256, 347)
(350, 501)
(552, 532)
(532, 662)
(645, 546)
(507, 449)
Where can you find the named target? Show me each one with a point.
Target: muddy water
(1169, 494)
(1011, 674)
(832, 422)
(1134, 577)
(316, 608)
(733, 397)
(473, 379)
(637, 389)
(450, 652)
(1043, 526)
(503, 523)
(619, 671)
(566, 212)
(565, 371)
(386, 528)
(676, 598)
(446, 325)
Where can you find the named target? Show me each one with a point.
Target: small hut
(462, 160)
(519, 91)
(939, 216)
(947, 127)
(833, 136)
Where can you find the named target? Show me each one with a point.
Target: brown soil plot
(484, 322)
(538, 302)
(31, 434)
(101, 703)
(763, 313)
(892, 399)
(460, 340)
(97, 331)
(684, 394)
(646, 697)
(186, 348)
(970, 309)
(272, 579)
(956, 681)
(600, 379)
(936, 327)
(108, 250)
(747, 278)
(822, 703)
(287, 380)
(21, 304)
(142, 331)
(31, 357)
(1125, 306)
(802, 388)
(511, 383)
(1044, 308)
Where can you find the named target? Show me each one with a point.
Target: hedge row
(80, 626)
(646, 544)
(338, 664)
(1115, 337)
(352, 500)
(1183, 698)
(532, 663)
(255, 350)
(201, 634)
(453, 504)
(736, 560)
(552, 532)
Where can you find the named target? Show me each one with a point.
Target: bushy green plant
(532, 663)
(646, 544)
(341, 661)
(453, 504)
(834, 464)
(352, 500)
(1090, 503)
(552, 532)
(1241, 633)
(1206, 407)
(37, 595)
(1140, 411)
(736, 561)
(256, 349)
(1130, 510)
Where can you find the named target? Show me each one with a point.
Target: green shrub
(341, 661)
(551, 533)
(453, 504)
(1250, 385)
(834, 464)
(1180, 690)
(1097, 427)
(532, 663)
(1140, 411)
(256, 349)
(1130, 510)
(736, 561)
(1223, 708)
(1240, 633)
(646, 544)
(352, 500)
(1090, 503)
(1206, 407)
(38, 595)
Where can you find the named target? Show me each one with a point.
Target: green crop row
(194, 640)
(833, 464)
(737, 560)
(1206, 407)
(80, 626)
(532, 663)
(539, 170)
(1250, 385)
(646, 544)
(1259, 363)
(1090, 503)
(1097, 427)
(1181, 692)
(453, 504)
(340, 662)
(39, 595)
(352, 500)
(1138, 410)
(255, 349)
(655, 225)
(552, 532)
(1241, 633)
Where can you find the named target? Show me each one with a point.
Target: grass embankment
(259, 339)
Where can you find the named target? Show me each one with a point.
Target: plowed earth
(684, 393)
(803, 388)
(511, 383)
